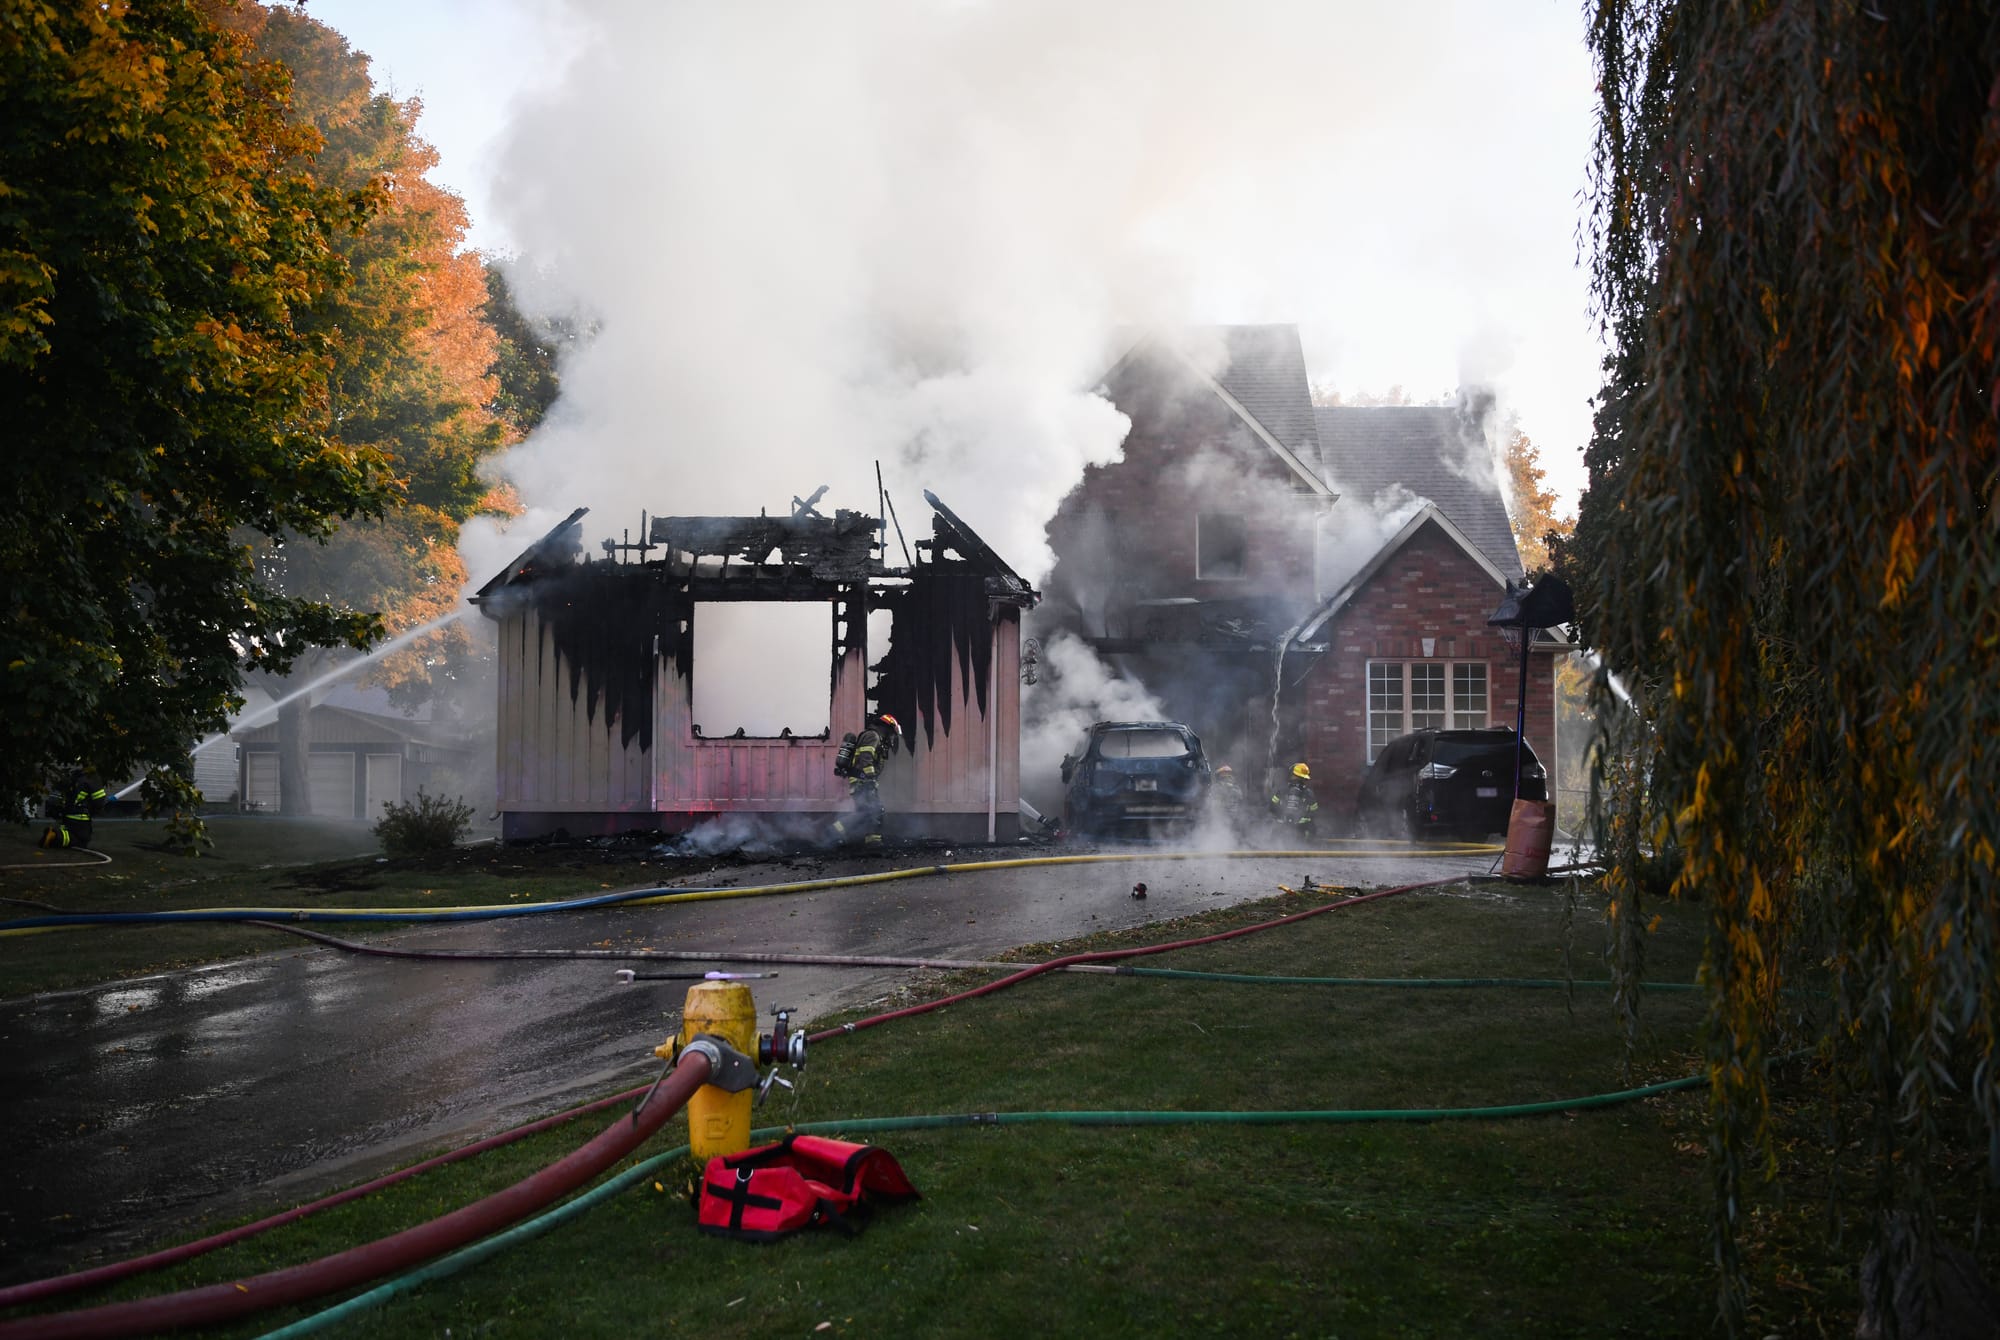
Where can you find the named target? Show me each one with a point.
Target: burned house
(1367, 544)
(601, 659)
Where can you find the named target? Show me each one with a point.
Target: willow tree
(1790, 542)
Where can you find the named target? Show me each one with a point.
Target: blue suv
(1132, 776)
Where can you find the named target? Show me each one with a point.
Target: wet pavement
(140, 1109)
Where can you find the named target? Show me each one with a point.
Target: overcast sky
(1415, 215)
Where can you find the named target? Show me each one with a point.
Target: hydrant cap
(1303, 773)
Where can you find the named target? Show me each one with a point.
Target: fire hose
(362, 1263)
(343, 1270)
(660, 896)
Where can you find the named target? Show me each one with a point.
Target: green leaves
(162, 395)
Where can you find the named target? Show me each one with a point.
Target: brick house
(1369, 543)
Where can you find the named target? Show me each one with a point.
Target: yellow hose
(849, 881)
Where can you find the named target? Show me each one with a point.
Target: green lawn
(1582, 1223)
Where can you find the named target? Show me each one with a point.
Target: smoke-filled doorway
(762, 668)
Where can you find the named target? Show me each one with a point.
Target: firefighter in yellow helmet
(1225, 794)
(861, 760)
(1295, 806)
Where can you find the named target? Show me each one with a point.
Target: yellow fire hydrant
(718, 1121)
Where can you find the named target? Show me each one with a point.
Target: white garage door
(262, 783)
(385, 783)
(331, 777)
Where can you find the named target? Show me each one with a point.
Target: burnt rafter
(836, 549)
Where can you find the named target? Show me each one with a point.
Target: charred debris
(615, 614)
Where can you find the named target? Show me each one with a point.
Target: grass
(1590, 1222)
(1585, 1223)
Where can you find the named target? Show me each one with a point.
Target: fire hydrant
(719, 1112)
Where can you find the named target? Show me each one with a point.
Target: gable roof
(1427, 515)
(1436, 453)
(1262, 382)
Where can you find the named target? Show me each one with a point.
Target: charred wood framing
(616, 623)
(608, 621)
(941, 612)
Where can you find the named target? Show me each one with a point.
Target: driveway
(145, 1107)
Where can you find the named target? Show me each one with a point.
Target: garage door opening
(763, 667)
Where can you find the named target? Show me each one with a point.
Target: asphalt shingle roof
(1434, 452)
(1267, 376)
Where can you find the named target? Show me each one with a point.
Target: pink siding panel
(552, 755)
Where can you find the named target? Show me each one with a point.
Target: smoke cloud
(815, 236)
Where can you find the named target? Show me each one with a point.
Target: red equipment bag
(773, 1191)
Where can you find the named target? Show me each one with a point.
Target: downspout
(993, 732)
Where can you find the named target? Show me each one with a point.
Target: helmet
(1225, 770)
(891, 723)
(1302, 772)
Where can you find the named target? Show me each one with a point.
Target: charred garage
(598, 657)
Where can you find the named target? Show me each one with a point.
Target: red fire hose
(223, 1302)
(1109, 956)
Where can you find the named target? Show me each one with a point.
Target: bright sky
(1450, 225)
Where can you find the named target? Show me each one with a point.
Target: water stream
(1272, 771)
(270, 709)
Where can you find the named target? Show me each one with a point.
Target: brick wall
(1430, 589)
(1127, 532)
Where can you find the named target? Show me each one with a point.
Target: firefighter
(1296, 808)
(82, 797)
(862, 766)
(1225, 797)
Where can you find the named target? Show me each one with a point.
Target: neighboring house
(366, 753)
(598, 661)
(1369, 543)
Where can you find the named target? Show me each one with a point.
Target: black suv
(1134, 775)
(1456, 783)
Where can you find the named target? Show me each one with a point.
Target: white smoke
(1072, 690)
(817, 235)
(811, 237)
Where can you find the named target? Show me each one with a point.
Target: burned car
(1132, 777)
(1447, 783)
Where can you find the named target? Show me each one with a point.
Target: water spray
(394, 644)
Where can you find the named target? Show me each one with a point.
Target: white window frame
(1242, 574)
(1399, 703)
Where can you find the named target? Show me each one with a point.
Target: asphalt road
(142, 1108)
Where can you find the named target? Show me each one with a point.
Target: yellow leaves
(1901, 566)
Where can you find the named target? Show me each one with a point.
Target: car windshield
(1142, 744)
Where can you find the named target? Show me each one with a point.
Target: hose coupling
(782, 1043)
(728, 1069)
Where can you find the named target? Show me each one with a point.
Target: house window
(1405, 696)
(1222, 546)
(1468, 696)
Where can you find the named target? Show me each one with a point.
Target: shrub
(427, 823)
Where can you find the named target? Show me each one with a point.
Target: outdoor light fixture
(1524, 609)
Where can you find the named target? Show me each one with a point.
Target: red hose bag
(803, 1181)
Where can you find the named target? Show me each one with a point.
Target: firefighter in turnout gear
(82, 797)
(861, 760)
(1296, 808)
(1225, 796)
